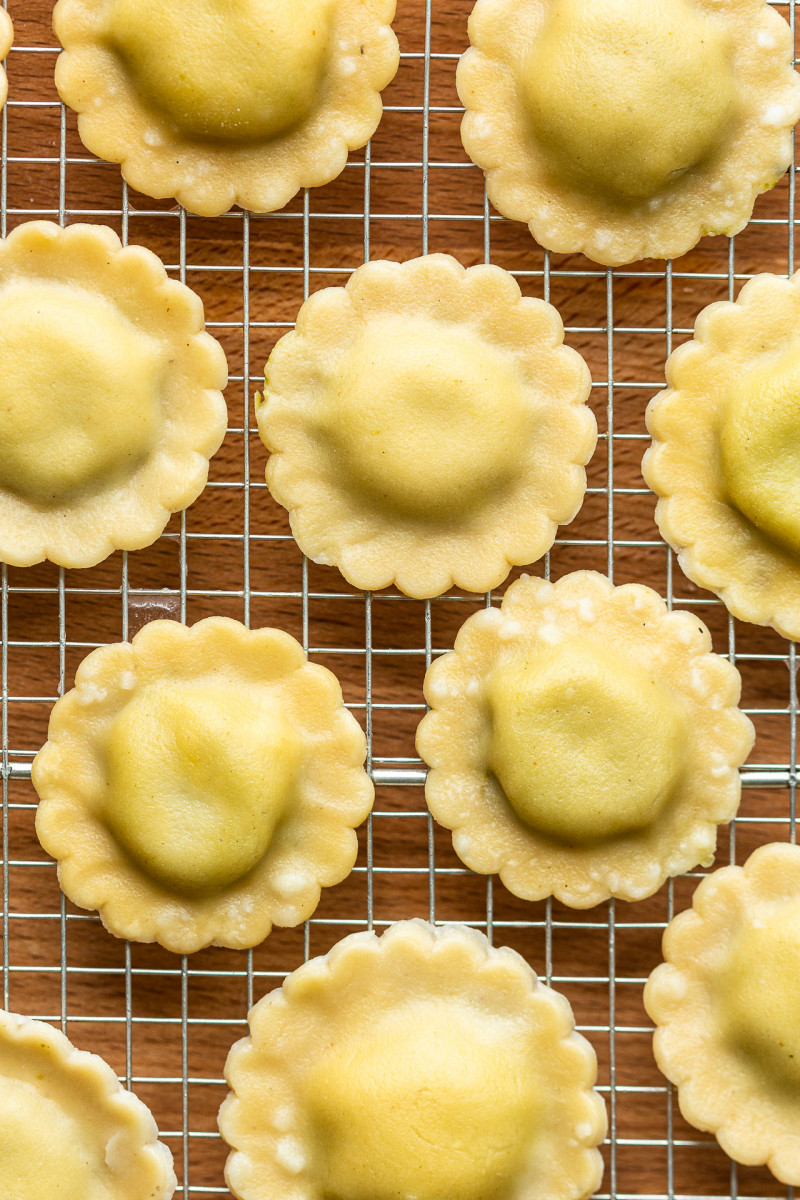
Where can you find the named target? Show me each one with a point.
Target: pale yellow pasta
(223, 102)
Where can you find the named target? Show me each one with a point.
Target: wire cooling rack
(166, 1023)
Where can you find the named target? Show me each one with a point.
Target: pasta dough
(420, 1064)
(583, 742)
(201, 784)
(623, 130)
(223, 102)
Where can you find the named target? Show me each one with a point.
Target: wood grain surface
(242, 562)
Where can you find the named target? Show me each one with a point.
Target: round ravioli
(725, 1005)
(583, 742)
(6, 39)
(628, 130)
(422, 1065)
(67, 1126)
(725, 459)
(200, 784)
(427, 426)
(110, 396)
(223, 102)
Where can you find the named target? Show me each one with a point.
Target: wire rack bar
(401, 777)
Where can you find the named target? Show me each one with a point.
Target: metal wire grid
(555, 928)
